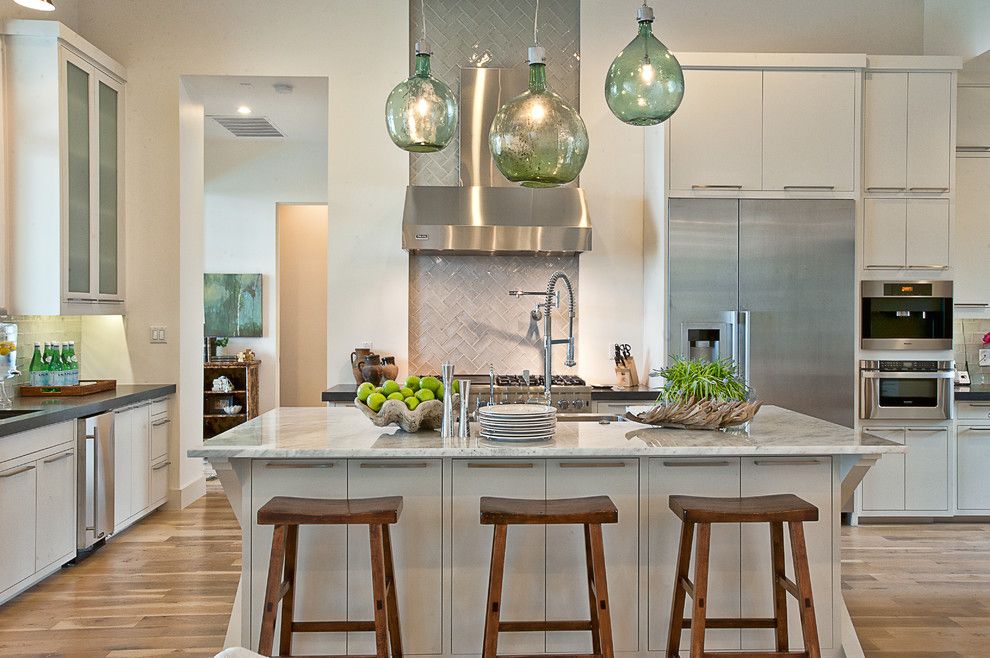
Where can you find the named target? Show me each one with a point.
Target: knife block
(626, 375)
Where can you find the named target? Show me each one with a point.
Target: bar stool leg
(272, 591)
(681, 574)
(596, 640)
(392, 601)
(493, 611)
(700, 603)
(802, 578)
(378, 586)
(289, 576)
(604, 614)
(779, 593)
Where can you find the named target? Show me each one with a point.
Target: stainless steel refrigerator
(771, 285)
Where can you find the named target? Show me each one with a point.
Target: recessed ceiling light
(244, 109)
(40, 5)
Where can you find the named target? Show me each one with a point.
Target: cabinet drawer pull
(977, 404)
(972, 149)
(58, 458)
(161, 466)
(278, 465)
(926, 429)
(498, 465)
(970, 304)
(159, 423)
(927, 267)
(885, 189)
(975, 429)
(396, 465)
(786, 462)
(17, 471)
(810, 187)
(928, 189)
(716, 187)
(592, 464)
(885, 267)
(679, 464)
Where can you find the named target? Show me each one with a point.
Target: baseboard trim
(186, 496)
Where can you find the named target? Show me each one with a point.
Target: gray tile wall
(42, 328)
(967, 341)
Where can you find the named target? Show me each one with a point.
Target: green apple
(430, 383)
(375, 401)
(412, 382)
(412, 402)
(389, 387)
(425, 394)
(396, 396)
(407, 392)
(364, 390)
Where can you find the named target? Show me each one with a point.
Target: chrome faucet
(548, 341)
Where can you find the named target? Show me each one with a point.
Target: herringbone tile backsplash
(492, 33)
(460, 311)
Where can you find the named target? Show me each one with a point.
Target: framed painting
(232, 303)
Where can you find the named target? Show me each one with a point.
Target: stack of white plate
(518, 422)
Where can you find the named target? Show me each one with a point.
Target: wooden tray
(83, 388)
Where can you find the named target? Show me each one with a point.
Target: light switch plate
(985, 357)
(158, 336)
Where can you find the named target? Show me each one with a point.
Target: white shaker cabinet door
(926, 469)
(17, 523)
(883, 486)
(884, 233)
(140, 459)
(56, 507)
(810, 479)
(927, 233)
(929, 135)
(971, 246)
(885, 122)
(123, 471)
(321, 570)
(716, 133)
(524, 585)
(691, 477)
(417, 552)
(809, 130)
(973, 128)
(567, 589)
(972, 466)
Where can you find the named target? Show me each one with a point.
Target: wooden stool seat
(754, 509)
(590, 512)
(287, 514)
(321, 511)
(774, 510)
(560, 511)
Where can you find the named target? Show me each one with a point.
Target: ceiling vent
(249, 126)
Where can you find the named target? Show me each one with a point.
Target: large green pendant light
(421, 112)
(538, 139)
(645, 84)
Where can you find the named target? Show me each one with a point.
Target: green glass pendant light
(645, 84)
(421, 112)
(538, 139)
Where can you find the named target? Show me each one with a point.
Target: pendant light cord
(422, 10)
(536, 24)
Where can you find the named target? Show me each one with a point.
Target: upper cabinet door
(927, 234)
(885, 126)
(716, 135)
(973, 129)
(809, 130)
(109, 175)
(929, 139)
(77, 199)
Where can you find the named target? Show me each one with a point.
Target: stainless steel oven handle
(877, 374)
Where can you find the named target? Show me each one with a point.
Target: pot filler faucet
(552, 300)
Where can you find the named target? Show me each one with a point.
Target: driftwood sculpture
(698, 415)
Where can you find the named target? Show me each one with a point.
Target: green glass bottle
(55, 367)
(36, 367)
(421, 112)
(537, 138)
(645, 84)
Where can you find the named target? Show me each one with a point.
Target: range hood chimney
(487, 213)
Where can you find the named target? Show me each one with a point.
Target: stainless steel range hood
(487, 213)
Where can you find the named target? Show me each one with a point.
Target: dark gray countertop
(48, 411)
(974, 393)
(346, 392)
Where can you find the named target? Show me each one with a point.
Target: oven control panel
(908, 366)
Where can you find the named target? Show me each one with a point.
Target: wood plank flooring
(166, 587)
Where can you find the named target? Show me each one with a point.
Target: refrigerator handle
(743, 332)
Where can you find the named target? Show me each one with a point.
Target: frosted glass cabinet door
(77, 194)
(108, 102)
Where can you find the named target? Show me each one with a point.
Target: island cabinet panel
(926, 469)
(693, 477)
(811, 479)
(883, 486)
(18, 522)
(524, 586)
(417, 552)
(321, 570)
(972, 465)
(567, 587)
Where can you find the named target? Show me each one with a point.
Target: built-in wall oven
(907, 315)
(906, 390)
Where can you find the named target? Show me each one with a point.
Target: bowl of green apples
(415, 404)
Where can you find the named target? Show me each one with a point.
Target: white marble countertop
(318, 432)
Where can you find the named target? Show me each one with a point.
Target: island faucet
(548, 341)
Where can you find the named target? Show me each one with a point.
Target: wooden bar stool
(287, 514)
(775, 510)
(589, 512)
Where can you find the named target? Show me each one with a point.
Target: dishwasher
(94, 496)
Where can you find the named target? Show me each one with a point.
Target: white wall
(957, 27)
(244, 181)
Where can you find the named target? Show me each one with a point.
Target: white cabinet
(56, 532)
(884, 233)
(916, 482)
(927, 234)
(906, 234)
(929, 133)
(140, 475)
(809, 130)
(524, 585)
(971, 246)
(692, 477)
(321, 569)
(159, 436)
(810, 479)
(885, 121)
(123, 472)
(883, 486)
(159, 483)
(140, 459)
(716, 133)
(567, 589)
(973, 124)
(972, 466)
(417, 552)
(65, 110)
(18, 522)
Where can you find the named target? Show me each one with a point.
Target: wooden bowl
(427, 416)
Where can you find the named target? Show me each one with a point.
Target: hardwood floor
(166, 586)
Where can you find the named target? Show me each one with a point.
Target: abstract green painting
(232, 304)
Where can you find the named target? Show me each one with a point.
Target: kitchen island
(442, 552)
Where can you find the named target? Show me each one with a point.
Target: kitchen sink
(603, 419)
(14, 414)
